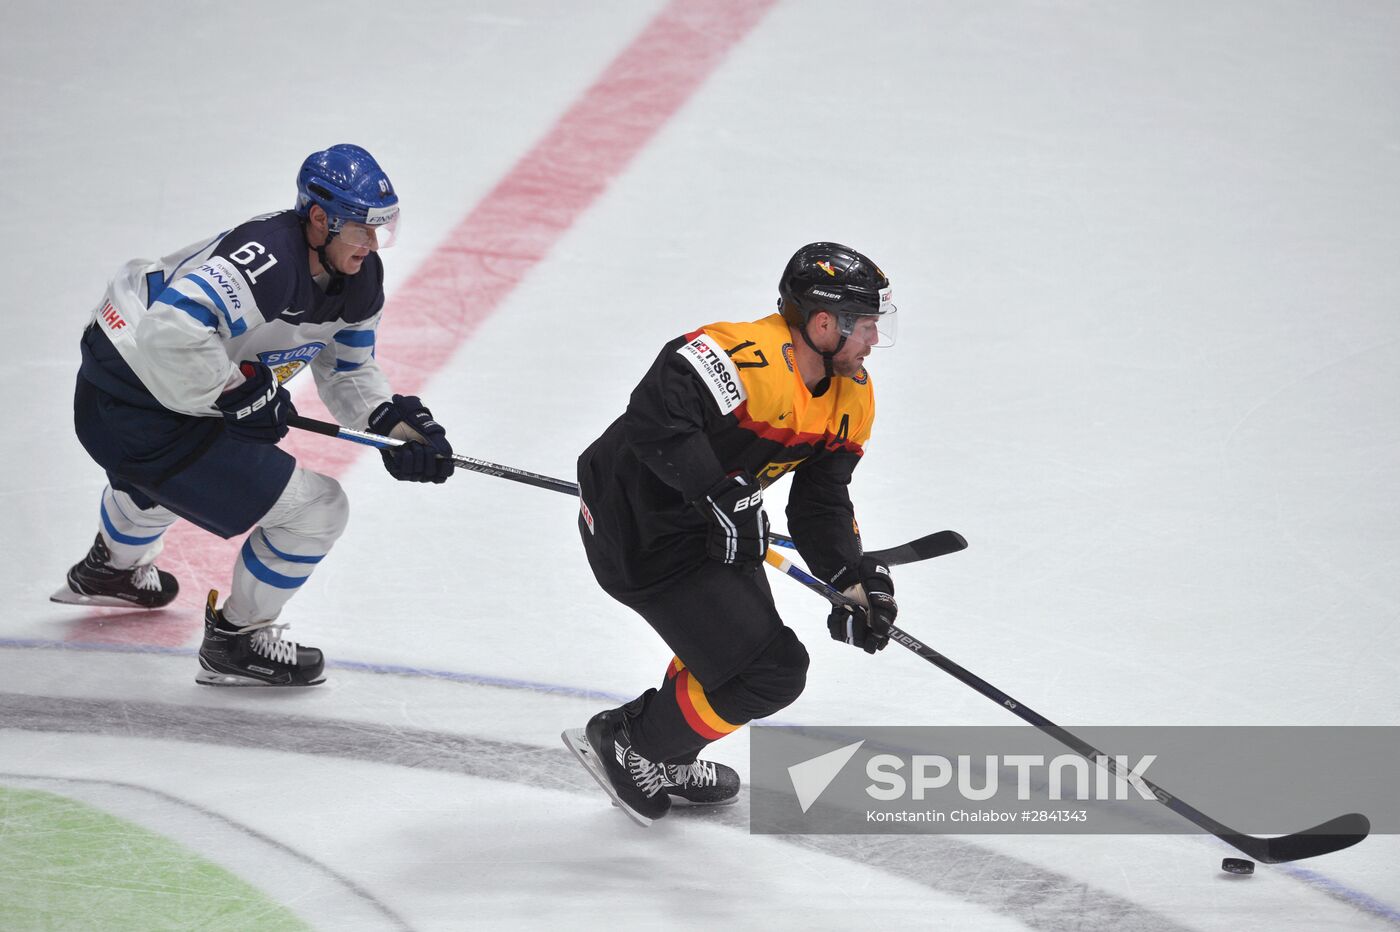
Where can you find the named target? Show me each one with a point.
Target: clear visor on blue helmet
(876, 329)
(377, 231)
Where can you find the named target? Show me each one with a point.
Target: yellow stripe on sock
(700, 704)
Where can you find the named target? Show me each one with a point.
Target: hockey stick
(934, 545)
(466, 462)
(1332, 835)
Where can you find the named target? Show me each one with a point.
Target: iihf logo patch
(790, 357)
(862, 377)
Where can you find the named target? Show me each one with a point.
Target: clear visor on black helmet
(378, 230)
(875, 329)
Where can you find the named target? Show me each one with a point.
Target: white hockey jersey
(172, 332)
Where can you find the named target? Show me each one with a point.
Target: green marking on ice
(66, 865)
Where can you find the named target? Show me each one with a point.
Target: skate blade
(210, 678)
(683, 803)
(577, 742)
(67, 596)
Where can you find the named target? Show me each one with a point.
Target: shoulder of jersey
(278, 233)
(764, 338)
(266, 254)
(770, 340)
(765, 328)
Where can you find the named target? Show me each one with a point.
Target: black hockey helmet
(839, 280)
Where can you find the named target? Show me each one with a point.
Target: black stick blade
(937, 544)
(1332, 835)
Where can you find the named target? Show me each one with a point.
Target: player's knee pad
(312, 506)
(790, 656)
(776, 677)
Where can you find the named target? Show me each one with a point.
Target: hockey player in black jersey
(180, 399)
(672, 521)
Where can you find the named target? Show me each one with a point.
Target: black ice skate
(702, 783)
(95, 581)
(634, 783)
(253, 656)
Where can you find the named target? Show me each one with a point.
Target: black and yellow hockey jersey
(723, 398)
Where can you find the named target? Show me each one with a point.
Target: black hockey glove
(405, 418)
(255, 411)
(738, 530)
(866, 625)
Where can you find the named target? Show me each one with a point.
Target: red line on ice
(480, 262)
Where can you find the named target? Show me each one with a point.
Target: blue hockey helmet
(347, 183)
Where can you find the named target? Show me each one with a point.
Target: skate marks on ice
(1028, 893)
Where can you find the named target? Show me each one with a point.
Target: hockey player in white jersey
(180, 399)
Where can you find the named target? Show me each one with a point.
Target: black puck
(1237, 866)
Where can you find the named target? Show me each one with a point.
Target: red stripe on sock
(480, 262)
(692, 716)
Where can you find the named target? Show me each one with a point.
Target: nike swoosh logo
(291, 313)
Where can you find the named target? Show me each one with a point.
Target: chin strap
(337, 280)
(821, 387)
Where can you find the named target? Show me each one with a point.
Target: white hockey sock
(267, 575)
(134, 536)
(281, 553)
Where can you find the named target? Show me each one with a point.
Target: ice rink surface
(1148, 362)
